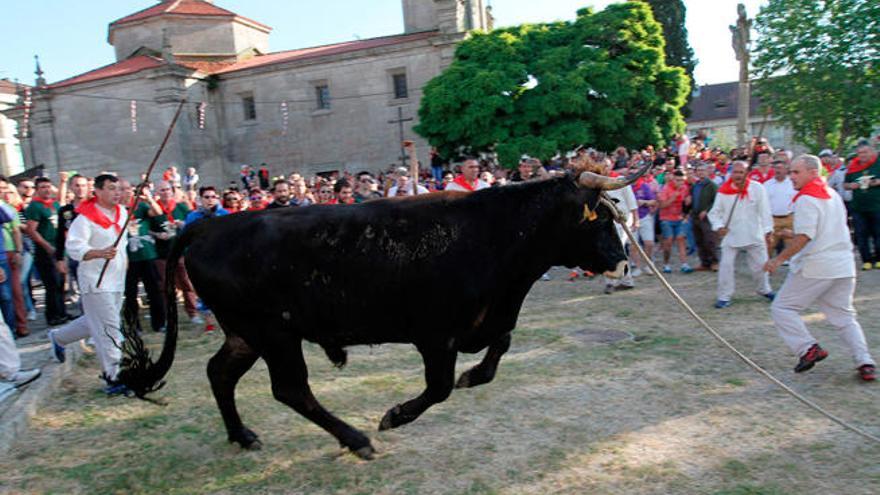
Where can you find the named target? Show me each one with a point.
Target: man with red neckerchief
(763, 170)
(822, 270)
(42, 227)
(90, 242)
(863, 180)
(468, 180)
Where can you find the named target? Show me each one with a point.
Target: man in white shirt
(90, 241)
(823, 271)
(741, 217)
(469, 178)
(780, 192)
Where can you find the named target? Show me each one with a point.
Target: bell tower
(448, 16)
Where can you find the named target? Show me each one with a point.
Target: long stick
(140, 187)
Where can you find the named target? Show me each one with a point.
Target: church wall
(248, 37)
(187, 36)
(354, 134)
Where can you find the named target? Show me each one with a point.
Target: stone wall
(192, 35)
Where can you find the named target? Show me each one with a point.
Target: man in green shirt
(142, 260)
(863, 179)
(12, 244)
(164, 228)
(42, 222)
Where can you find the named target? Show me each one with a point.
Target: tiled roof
(719, 102)
(320, 51)
(7, 87)
(123, 68)
(183, 7)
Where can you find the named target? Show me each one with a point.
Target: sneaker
(56, 350)
(867, 266)
(685, 268)
(868, 372)
(721, 304)
(770, 296)
(116, 389)
(209, 328)
(545, 277)
(637, 272)
(32, 315)
(23, 377)
(197, 320)
(572, 276)
(625, 287)
(810, 358)
(667, 269)
(608, 289)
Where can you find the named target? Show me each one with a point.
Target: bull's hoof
(473, 377)
(392, 419)
(366, 452)
(464, 381)
(247, 439)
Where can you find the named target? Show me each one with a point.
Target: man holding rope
(90, 242)
(822, 270)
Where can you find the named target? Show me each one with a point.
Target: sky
(71, 36)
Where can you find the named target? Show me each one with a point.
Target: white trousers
(101, 321)
(757, 257)
(834, 298)
(10, 361)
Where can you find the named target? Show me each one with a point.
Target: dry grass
(669, 413)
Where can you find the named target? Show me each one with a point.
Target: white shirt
(392, 192)
(836, 181)
(452, 186)
(780, 194)
(85, 235)
(829, 254)
(751, 219)
(626, 203)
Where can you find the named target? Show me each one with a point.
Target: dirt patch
(594, 336)
(668, 412)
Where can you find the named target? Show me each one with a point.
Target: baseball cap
(826, 152)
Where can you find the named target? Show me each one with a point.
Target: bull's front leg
(439, 378)
(485, 370)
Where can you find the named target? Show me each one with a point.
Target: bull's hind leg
(224, 370)
(485, 370)
(290, 385)
(439, 377)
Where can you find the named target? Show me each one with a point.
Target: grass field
(669, 412)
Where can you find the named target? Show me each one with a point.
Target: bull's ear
(592, 199)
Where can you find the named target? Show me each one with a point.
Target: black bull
(325, 274)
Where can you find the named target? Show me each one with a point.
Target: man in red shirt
(674, 195)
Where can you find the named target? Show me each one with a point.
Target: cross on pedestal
(399, 121)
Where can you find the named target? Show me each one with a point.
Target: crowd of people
(697, 200)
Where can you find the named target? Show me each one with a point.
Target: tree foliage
(602, 80)
(671, 14)
(817, 62)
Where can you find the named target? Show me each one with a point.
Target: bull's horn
(596, 181)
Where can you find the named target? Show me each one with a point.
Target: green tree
(817, 64)
(671, 15)
(601, 79)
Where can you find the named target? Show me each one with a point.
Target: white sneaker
(32, 315)
(197, 320)
(545, 277)
(23, 377)
(637, 272)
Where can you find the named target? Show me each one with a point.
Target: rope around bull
(809, 403)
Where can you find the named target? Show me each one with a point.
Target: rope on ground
(809, 403)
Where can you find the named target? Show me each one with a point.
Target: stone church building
(310, 110)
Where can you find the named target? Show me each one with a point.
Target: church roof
(122, 68)
(183, 7)
(7, 87)
(325, 50)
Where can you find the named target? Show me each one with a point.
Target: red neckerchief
(855, 166)
(759, 176)
(48, 203)
(168, 208)
(89, 209)
(461, 181)
(815, 188)
(829, 169)
(729, 188)
(613, 174)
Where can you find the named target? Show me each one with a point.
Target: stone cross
(741, 41)
(399, 121)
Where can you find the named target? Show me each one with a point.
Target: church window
(322, 93)
(400, 87)
(249, 106)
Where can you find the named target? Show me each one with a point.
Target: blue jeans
(27, 266)
(7, 304)
(867, 227)
(672, 228)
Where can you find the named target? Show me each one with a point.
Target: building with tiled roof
(317, 109)
(11, 161)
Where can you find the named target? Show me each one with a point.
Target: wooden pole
(140, 187)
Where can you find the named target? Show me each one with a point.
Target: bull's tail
(137, 369)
